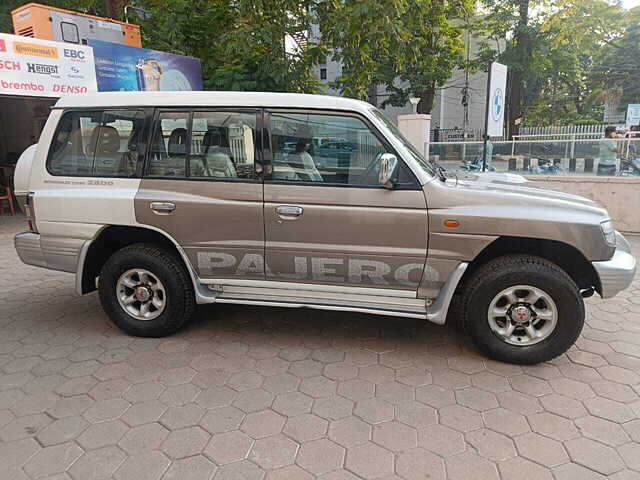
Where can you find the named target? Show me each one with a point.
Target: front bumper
(615, 274)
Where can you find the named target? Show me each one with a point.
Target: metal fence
(526, 133)
(569, 156)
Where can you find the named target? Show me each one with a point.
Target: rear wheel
(522, 309)
(146, 291)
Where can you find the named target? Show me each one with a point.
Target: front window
(415, 154)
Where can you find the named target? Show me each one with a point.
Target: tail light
(31, 219)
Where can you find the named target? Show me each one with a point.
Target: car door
(327, 219)
(202, 188)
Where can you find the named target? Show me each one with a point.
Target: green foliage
(410, 46)
(576, 49)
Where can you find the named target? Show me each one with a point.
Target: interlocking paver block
(415, 464)
(470, 465)
(594, 455)
(143, 438)
(320, 456)
(192, 468)
(542, 450)
(222, 420)
(145, 466)
(98, 464)
(441, 440)
(102, 434)
(369, 460)
(306, 427)
(274, 452)
(54, 459)
(228, 447)
(61, 431)
(262, 424)
(185, 442)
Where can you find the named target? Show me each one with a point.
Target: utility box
(50, 23)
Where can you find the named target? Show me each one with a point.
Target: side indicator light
(451, 223)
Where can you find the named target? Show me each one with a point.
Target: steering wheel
(373, 170)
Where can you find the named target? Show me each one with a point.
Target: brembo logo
(320, 269)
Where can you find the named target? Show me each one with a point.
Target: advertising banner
(497, 99)
(125, 68)
(633, 115)
(41, 68)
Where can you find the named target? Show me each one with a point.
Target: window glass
(97, 143)
(222, 145)
(70, 32)
(169, 147)
(324, 149)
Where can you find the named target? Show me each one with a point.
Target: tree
(410, 47)
(435, 47)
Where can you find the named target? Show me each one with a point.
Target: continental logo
(23, 48)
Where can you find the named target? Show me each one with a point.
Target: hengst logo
(41, 68)
(23, 48)
(74, 55)
(3, 46)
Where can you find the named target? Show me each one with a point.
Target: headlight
(609, 232)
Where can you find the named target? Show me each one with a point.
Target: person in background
(488, 153)
(608, 148)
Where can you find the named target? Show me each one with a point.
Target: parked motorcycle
(475, 165)
(629, 167)
(547, 167)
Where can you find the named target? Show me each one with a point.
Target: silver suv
(162, 201)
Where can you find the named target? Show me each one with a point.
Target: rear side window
(100, 143)
(204, 145)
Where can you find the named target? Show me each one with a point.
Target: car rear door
(202, 187)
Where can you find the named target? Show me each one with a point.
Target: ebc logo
(75, 55)
(3, 46)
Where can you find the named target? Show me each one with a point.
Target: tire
(174, 290)
(488, 330)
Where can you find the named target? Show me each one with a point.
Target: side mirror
(388, 170)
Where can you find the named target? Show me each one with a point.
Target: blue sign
(124, 68)
(497, 104)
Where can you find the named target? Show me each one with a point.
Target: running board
(399, 303)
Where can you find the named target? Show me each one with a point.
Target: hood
(519, 193)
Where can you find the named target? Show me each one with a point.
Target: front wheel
(522, 309)
(146, 291)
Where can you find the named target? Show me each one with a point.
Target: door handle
(289, 211)
(162, 208)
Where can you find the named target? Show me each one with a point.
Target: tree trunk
(372, 94)
(426, 100)
(523, 41)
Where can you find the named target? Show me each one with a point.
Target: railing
(569, 156)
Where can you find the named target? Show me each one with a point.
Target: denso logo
(77, 55)
(3, 46)
(9, 65)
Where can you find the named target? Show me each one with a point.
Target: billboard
(125, 68)
(633, 115)
(41, 68)
(497, 99)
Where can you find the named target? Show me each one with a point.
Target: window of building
(105, 143)
(323, 74)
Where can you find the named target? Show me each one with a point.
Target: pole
(486, 123)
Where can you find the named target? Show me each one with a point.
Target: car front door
(201, 187)
(327, 219)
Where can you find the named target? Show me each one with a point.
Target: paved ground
(250, 393)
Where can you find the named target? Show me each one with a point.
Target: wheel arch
(566, 256)
(112, 238)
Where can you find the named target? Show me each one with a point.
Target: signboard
(40, 68)
(125, 68)
(496, 99)
(633, 115)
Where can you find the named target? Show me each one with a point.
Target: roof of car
(206, 99)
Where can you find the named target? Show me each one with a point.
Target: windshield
(417, 156)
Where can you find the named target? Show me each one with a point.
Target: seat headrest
(104, 139)
(177, 144)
